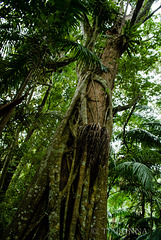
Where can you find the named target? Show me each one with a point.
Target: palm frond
(116, 199)
(143, 136)
(153, 127)
(12, 72)
(63, 15)
(141, 171)
(150, 157)
(15, 67)
(156, 235)
(84, 55)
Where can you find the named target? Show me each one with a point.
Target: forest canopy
(80, 119)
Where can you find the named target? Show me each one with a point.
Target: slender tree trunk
(40, 108)
(151, 215)
(3, 182)
(5, 179)
(33, 209)
(9, 114)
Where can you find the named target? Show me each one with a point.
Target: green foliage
(131, 37)
(86, 58)
(141, 171)
(137, 71)
(156, 235)
(46, 37)
(105, 12)
(30, 150)
(135, 172)
(43, 37)
(143, 136)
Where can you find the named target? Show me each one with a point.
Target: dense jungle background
(80, 119)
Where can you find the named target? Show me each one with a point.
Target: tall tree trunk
(81, 211)
(77, 164)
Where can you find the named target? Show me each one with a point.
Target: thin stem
(124, 128)
(151, 215)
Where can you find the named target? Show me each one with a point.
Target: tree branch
(56, 65)
(136, 11)
(7, 107)
(151, 14)
(127, 4)
(86, 25)
(44, 84)
(125, 107)
(144, 12)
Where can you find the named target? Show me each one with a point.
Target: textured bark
(49, 169)
(84, 168)
(73, 175)
(80, 201)
(77, 166)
